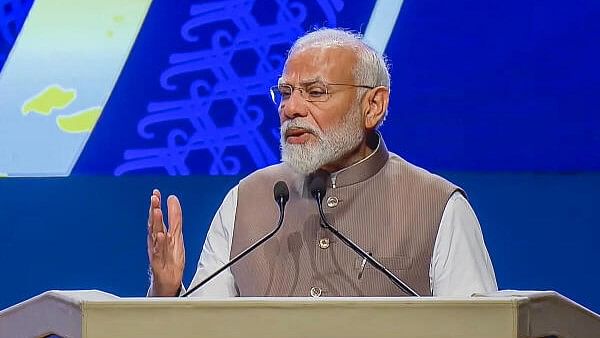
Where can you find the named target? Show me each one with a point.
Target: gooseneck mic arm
(281, 195)
(318, 187)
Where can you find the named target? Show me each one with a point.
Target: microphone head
(318, 183)
(281, 192)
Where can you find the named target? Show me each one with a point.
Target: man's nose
(294, 106)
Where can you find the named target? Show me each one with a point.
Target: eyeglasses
(311, 92)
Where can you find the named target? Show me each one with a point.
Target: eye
(285, 91)
(316, 91)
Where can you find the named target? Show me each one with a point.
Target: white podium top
(96, 314)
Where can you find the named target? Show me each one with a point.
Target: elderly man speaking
(332, 97)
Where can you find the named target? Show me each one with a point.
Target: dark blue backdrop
(90, 232)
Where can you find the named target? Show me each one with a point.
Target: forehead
(333, 64)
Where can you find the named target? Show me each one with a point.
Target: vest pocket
(391, 263)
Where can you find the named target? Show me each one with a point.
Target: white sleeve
(460, 265)
(216, 251)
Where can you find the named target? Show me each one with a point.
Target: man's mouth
(297, 135)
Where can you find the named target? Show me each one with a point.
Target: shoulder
(403, 170)
(265, 178)
(267, 174)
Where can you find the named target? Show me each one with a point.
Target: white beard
(330, 146)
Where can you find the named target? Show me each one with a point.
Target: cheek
(323, 119)
(326, 122)
(330, 117)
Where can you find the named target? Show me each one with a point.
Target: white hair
(372, 67)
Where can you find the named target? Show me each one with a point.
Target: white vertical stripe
(382, 22)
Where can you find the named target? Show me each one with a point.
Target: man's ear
(374, 105)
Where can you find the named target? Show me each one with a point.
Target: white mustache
(299, 124)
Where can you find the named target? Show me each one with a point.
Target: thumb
(175, 216)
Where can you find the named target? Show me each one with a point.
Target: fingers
(156, 192)
(156, 229)
(155, 216)
(175, 217)
(154, 203)
(159, 238)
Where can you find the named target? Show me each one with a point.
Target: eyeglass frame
(304, 93)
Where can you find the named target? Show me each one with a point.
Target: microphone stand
(397, 281)
(281, 203)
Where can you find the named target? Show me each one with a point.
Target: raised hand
(166, 251)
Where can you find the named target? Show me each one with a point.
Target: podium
(95, 314)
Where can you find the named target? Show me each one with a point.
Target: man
(332, 97)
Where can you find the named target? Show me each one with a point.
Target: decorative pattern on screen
(223, 113)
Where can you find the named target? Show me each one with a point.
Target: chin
(304, 159)
(300, 168)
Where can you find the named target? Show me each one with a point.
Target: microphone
(281, 194)
(318, 188)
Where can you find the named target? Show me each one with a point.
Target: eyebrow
(281, 81)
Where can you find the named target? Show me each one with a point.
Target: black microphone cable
(281, 194)
(318, 187)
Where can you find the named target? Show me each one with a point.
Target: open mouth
(297, 135)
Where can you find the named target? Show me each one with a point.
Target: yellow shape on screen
(79, 122)
(52, 97)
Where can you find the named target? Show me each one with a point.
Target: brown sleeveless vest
(384, 204)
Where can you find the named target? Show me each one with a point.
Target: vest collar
(358, 172)
(365, 168)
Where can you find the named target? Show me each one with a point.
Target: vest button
(324, 243)
(315, 292)
(332, 201)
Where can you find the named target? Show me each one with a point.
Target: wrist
(161, 290)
